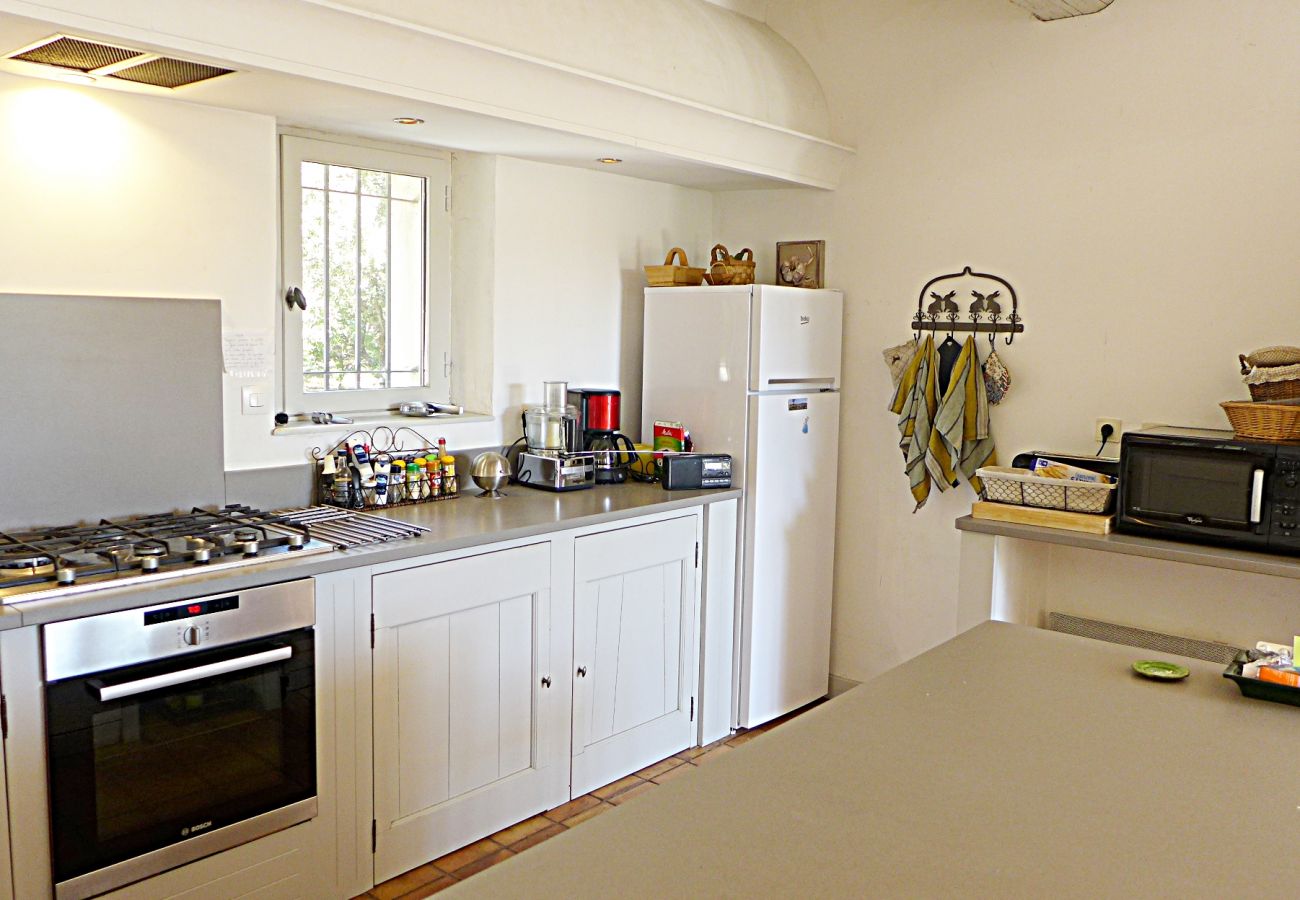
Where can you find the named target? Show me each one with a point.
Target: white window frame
(435, 168)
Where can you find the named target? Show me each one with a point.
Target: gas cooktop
(54, 562)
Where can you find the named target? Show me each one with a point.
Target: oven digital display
(189, 610)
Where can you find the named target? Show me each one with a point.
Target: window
(365, 238)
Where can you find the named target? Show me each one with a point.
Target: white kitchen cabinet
(634, 648)
(470, 714)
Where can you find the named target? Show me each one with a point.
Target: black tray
(1261, 690)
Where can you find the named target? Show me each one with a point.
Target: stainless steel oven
(177, 731)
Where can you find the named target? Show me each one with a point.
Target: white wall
(1132, 173)
(112, 193)
(569, 283)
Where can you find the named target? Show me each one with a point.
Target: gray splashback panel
(111, 406)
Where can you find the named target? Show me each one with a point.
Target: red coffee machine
(598, 422)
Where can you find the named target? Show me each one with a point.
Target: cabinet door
(635, 661)
(470, 735)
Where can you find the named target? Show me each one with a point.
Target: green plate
(1160, 671)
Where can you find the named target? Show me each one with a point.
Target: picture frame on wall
(801, 263)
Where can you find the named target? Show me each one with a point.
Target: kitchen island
(1007, 762)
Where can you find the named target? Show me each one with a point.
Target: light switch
(254, 399)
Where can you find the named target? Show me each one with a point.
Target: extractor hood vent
(105, 60)
(71, 53)
(164, 71)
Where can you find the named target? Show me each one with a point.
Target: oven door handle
(131, 688)
(1257, 497)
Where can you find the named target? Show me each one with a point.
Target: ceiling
(303, 102)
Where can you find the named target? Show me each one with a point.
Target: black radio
(692, 471)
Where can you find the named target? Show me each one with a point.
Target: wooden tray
(1047, 518)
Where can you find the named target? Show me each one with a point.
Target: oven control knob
(191, 636)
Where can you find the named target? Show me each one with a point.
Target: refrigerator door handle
(798, 382)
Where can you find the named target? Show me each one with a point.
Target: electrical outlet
(1117, 425)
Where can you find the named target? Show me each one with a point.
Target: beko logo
(195, 829)
(804, 320)
(1195, 520)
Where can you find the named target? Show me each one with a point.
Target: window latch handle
(295, 297)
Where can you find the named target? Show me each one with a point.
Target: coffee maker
(598, 422)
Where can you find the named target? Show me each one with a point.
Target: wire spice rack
(985, 313)
(420, 480)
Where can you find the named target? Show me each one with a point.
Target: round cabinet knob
(191, 636)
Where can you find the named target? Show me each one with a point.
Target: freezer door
(795, 339)
(695, 365)
(789, 553)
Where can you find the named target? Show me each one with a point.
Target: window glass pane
(407, 187)
(371, 381)
(406, 379)
(342, 283)
(374, 285)
(343, 382)
(312, 383)
(313, 280)
(343, 178)
(313, 175)
(374, 183)
(407, 334)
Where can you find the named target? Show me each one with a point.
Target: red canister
(597, 408)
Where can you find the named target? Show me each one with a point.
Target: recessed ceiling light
(408, 120)
(609, 160)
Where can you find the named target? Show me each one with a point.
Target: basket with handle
(674, 275)
(727, 269)
(1272, 373)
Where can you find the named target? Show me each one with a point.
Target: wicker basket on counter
(1265, 421)
(1023, 488)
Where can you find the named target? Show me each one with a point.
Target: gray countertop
(1008, 762)
(1135, 545)
(467, 521)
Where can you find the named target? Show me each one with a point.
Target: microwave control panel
(1284, 497)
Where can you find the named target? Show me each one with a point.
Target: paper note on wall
(247, 353)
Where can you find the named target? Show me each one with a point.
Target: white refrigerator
(754, 371)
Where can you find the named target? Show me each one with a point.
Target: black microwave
(1205, 485)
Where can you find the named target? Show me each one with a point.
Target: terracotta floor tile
(720, 750)
(428, 890)
(406, 882)
(507, 836)
(587, 814)
(691, 752)
(637, 791)
(675, 772)
(573, 807)
(550, 831)
(483, 862)
(614, 788)
(458, 859)
(657, 769)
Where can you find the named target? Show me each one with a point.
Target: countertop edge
(57, 609)
(1134, 545)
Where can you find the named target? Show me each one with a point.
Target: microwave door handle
(1257, 497)
(153, 683)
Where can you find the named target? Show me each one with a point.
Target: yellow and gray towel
(940, 436)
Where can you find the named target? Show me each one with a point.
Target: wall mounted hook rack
(985, 313)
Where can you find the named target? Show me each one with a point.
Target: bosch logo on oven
(195, 829)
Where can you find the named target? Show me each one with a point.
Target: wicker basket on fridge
(727, 269)
(681, 274)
